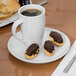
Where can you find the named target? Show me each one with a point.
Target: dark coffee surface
(56, 36)
(49, 46)
(31, 12)
(32, 49)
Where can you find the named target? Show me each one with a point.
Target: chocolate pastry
(56, 38)
(32, 51)
(49, 48)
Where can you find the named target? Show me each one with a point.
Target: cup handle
(14, 27)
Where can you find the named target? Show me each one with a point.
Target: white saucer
(17, 49)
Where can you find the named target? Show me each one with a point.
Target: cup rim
(30, 16)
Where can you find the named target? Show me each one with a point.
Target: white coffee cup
(32, 28)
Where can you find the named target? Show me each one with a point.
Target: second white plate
(5, 22)
(17, 48)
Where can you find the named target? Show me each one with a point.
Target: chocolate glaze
(32, 49)
(49, 46)
(56, 36)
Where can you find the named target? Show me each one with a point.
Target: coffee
(31, 12)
